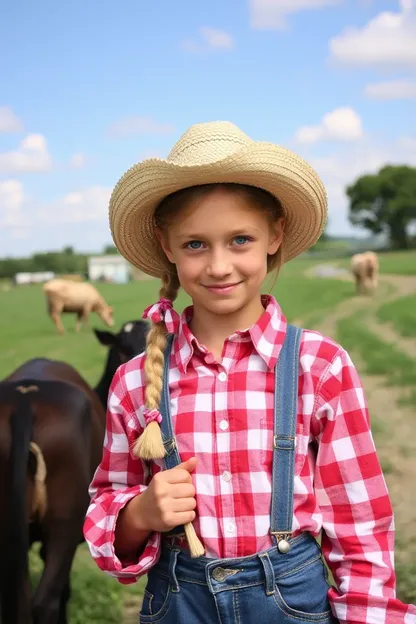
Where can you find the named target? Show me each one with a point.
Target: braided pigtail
(150, 444)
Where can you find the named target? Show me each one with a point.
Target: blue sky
(87, 89)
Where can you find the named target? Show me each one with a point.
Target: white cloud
(136, 124)
(342, 124)
(78, 161)
(210, 39)
(217, 38)
(9, 121)
(392, 90)
(271, 14)
(388, 40)
(87, 205)
(12, 198)
(341, 168)
(31, 156)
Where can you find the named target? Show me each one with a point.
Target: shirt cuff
(126, 570)
(363, 609)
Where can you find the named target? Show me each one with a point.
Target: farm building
(34, 277)
(111, 268)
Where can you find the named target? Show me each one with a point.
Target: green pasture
(26, 331)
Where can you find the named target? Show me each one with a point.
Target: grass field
(401, 313)
(26, 331)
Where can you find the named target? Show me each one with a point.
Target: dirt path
(393, 425)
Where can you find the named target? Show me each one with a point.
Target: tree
(385, 203)
(110, 249)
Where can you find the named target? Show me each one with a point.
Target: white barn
(110, 268)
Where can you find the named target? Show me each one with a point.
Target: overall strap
(172, 458)
(285, 416)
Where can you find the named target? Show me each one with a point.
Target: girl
(254, 431)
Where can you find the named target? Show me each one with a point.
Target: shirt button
(222, 376)
(224, 425)
(226, 476)
(231, 528)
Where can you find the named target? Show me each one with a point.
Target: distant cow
(364, 267)
(78, 298)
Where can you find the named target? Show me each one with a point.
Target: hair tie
(151, 415)
(162, 312)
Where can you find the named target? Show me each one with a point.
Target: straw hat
(208, 153)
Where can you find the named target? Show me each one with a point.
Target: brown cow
(52, 428)
(364, 267)
(79, 298)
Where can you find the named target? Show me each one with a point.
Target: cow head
(106, 314)
(128, 342)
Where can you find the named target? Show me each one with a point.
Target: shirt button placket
(223, 465)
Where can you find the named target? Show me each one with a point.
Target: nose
(219, 265)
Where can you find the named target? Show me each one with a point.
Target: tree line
(66, 261)
(381, 203)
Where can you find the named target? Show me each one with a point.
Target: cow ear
(106, 338)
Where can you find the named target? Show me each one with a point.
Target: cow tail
(15, 563)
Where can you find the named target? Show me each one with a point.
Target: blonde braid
(150, 443)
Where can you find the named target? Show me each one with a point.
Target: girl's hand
(169, 500)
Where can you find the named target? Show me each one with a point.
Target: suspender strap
(285, 416)
(172, 458)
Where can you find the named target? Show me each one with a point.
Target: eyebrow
(236, 232)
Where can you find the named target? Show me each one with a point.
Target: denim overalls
(284, 585)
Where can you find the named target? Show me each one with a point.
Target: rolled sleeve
(358, 523)
(119, 478)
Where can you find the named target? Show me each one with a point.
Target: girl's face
(219, 244)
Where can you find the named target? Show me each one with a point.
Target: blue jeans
(269, 587)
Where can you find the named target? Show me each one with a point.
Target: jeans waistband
(227, 574)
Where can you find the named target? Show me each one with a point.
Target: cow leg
(78, 323)
(85, 314)
(56, 317)
(52, 594)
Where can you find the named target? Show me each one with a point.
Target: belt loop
(268, 573)
(172, 570)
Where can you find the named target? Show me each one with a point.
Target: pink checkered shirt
(223, 414)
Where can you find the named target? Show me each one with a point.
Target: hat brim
(270, 167)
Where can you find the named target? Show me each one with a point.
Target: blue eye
(194, 245)
(241, 240)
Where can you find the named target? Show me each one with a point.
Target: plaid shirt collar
(267, 335)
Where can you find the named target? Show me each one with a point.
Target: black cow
(128, 342)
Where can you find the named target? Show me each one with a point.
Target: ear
(106, 338)
(276, 236)
(164, 243)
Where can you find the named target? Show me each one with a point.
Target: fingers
(183, 490)
(183, 504)
(176, 475)
(189, 465)
(182, 472)
(184, 517)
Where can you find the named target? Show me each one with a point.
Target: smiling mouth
(221, 288)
